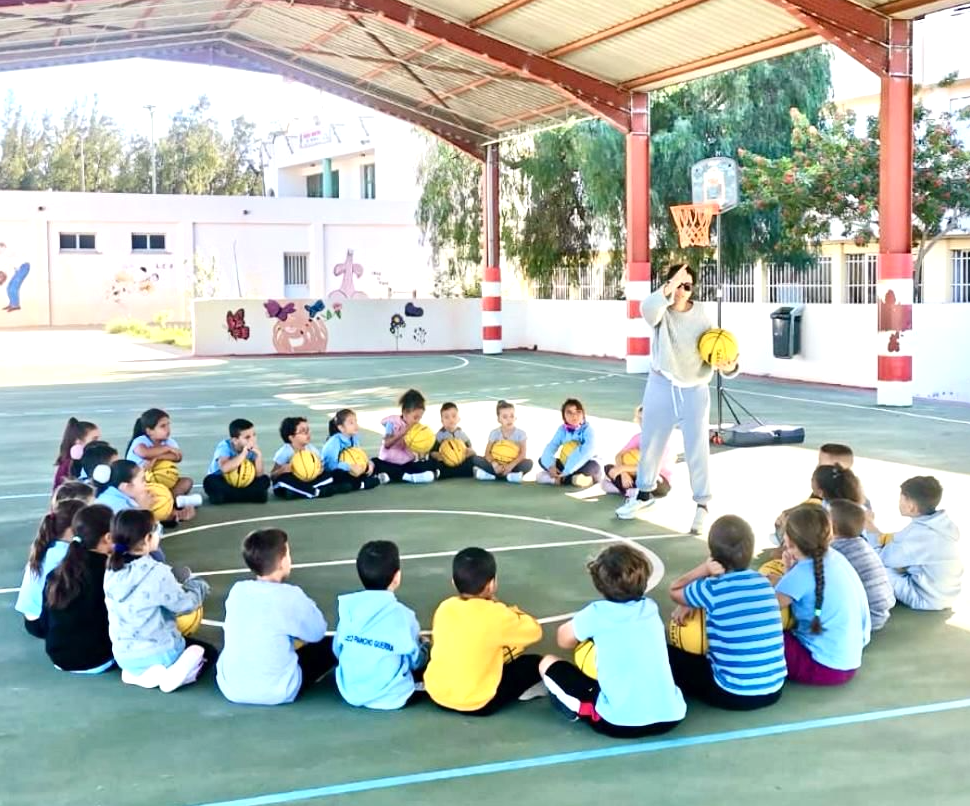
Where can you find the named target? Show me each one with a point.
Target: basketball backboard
(715, 181)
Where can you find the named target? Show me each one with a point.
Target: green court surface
(895, 734)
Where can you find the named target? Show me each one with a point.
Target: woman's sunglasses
(686, 286)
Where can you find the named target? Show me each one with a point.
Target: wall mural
(132, 281)
(236, 325)
(301, 329)
(347, 271)
(16, 280)
(399, 325)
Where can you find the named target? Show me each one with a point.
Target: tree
(832, 175)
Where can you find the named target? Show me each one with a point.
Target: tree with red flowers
(831, 178)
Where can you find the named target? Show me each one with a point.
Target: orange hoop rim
(694, 222)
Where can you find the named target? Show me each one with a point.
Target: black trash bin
(786, 331)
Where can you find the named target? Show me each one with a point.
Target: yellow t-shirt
(469, 640)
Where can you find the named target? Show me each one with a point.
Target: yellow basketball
(419, 439)
(566, 450)
(787, 619)
(242, 476)
(717, 346)
(306, 465)
(452, 452)
(354, 456)
(505, 451)
(163, 504)
(188, 623)
(585, 658)
(691, 636)
(164, 471)
(630, 458)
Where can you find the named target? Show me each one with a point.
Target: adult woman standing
(677, 391)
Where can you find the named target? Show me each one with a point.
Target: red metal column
(492, 283)
(894, 283)
(638, 233)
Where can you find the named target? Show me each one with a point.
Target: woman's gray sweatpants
(666, 405)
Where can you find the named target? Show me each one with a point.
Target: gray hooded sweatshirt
(924, 563)
(143, 599)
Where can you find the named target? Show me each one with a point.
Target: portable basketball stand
(714, 189)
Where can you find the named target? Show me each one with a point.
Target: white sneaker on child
(383, 478)
(184, 671)
(483, 475)
(534, 692)
(420, 478)
(515, 478)
(543, 477)
(150, 678)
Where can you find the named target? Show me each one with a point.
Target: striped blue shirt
(744, 635)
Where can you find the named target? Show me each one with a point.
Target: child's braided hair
(809, 528)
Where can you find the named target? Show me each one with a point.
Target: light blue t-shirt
(146, 442)
(117, 500)
(30, 599)
(224, 450)
(636, 685)
(286, 453)
(332, 449)
(258, 664)
(744, 635)
(846, 623)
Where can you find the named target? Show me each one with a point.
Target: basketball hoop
(694, 223)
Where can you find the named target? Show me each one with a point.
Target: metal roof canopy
(467, 70)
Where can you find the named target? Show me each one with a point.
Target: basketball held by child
(242, 476)
(505, 451)
(718, 346)
(584, 657)
(164, 471)
(566, 450)
(452, 452)
(691, 636)
(189, 623)
(420, 439)
(306, 465)
(355, 456)
(163, 504)
(630, 458)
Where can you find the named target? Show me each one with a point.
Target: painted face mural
(300, 333)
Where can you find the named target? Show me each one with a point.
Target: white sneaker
(515, 478)
(183, 501)
(582, 480)
(534, 692)
(184, 671)
(543, 477)
(420, 478)
(150, 678)
(700, 516)
(633, 504)
(482, 475)
(383, 478)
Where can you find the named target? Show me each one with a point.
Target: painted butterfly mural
(276, 311)
(236, 324)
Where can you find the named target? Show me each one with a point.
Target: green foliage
(157, 333)
(192, 157)
(832, 174)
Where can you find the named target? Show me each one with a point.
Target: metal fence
(960, 275)
(859, 281)
(796, 284)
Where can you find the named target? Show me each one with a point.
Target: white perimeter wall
(838, 341)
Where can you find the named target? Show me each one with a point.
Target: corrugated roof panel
(463, 10)
(498, 99)
(675, 40)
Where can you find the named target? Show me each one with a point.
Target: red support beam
(600, 97)
(638, 233)
(496, 13)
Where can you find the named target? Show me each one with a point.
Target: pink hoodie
(666, 468)
(398, 454)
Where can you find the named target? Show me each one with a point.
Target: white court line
(735, 391)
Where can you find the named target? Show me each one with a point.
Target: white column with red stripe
(894, 345)
(638, 233)
(492, 281)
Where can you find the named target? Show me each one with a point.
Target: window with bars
(368, 181)
(859, 282)
(789, 284)
(77, 241)
(593, 282)
(147, 242)
(294, 268)
(960, 275)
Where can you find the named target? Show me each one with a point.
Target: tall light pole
(151, 114)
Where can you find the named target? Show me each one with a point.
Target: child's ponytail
(818, 568)
(809, 528)
(338, 420)
(129, 528)
(332, 426)
(74, 430)
(89, 525)
(52, 526)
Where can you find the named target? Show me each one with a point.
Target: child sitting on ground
(264, 616)
(396, 459)
(75, 615)
(338, 452)
(476, 664)
(450, 429)
(621, 477)
(828, 602)
(487, 467)
(144, 598)
(848, 523)
(744, 667)
(80, 490)
(829, 482)
(295, 433)
(229, 456)
(923, 560)
(77, 434)
(49, 548)
(152, 443)
(576, 464)
(378, 641)
(634, 693)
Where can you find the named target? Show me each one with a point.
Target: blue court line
(640, 748)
